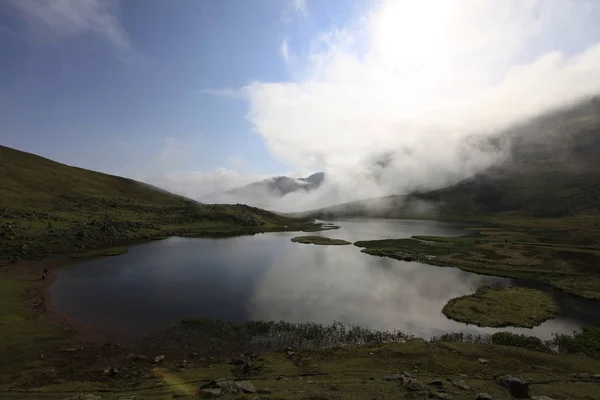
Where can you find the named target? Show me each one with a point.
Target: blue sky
(80, 99)
(198, 96)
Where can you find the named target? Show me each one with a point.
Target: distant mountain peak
(279, 186)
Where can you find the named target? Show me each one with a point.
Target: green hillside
(51, 208)
(553, 170)
(32, 181)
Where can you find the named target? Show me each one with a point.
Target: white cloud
(414, 79)
(293, 9)
(74, 17)
(285, 51)
(197, 184)
(300, 6)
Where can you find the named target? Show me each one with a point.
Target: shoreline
(40, 301)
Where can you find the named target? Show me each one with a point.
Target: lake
(267, 277)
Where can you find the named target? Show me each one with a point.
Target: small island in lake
(321, 240)
(503, 306)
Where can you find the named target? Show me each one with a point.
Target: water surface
(268, 277)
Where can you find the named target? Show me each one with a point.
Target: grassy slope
(51, 208)
(31, 181)
(553, 170)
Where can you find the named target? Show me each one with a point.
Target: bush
(586, 342)
(512, 339)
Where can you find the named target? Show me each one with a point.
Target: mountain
(266, 193)
(551, 169)
(35, 182)
(50, 208)
(279, 186)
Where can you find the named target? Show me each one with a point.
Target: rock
(228, 387)
(372, 378)
(394, 377)
(158, 359)
(264, 391)
(461, 385)
(439, 396)
(85, 397)
(540, 398)
(136, 357)
(517, 387)
(587, 377)
(112, 372)
(245, 386)
(483, 361)
(584, 376)
(414, 385)
(483, 396)
(437, 383)
(371, 353)
(210, 392)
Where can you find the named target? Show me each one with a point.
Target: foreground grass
(25, 332)
(351, 372)
(562, 253)
(503, 306)
(321, 240)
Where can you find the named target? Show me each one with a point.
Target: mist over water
(267, 277)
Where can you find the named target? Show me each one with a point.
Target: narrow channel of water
(268, 277)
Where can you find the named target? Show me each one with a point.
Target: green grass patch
(320, 240)
(512, 251)
(116, 251)
(24, 333)
(502, 306)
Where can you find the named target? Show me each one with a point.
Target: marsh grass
(502, 306)
(511, 251)
(222, 339)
